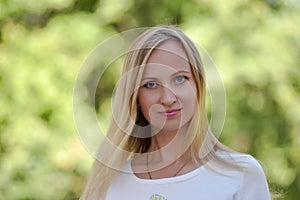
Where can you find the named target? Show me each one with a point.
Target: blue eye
(180, 79)
(151, 84)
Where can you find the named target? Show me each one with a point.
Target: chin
(169, 126)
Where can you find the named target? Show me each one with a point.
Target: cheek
(150, 111)
(149, 104)
(145, 101)
(187, 93)
(188, 99)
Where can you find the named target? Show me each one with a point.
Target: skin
(167, 98)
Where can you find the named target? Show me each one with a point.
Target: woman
(159, 145)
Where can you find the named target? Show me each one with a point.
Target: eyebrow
(176, 73)
(150, 78)
(181, 71)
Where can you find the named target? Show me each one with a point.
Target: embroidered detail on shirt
(157, 197)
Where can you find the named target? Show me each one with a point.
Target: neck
(169, 146)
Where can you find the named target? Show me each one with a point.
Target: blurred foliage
(255, 44)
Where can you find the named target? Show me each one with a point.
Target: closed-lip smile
(170, 113)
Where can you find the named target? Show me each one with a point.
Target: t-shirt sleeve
(254, 183)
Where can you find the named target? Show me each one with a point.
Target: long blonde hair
(119, 146)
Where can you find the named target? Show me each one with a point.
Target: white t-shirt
(202, 183)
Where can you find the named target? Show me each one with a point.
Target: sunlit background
(254, 43)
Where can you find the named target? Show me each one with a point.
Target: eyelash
(146, 85)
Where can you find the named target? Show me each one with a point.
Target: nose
(167, 97)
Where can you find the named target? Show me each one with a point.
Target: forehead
(169, 55)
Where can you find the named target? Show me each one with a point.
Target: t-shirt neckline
(174, 179)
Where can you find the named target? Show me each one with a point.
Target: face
(167, 96)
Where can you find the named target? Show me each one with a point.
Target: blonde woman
(159, 145)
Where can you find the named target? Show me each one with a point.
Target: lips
(170, 113)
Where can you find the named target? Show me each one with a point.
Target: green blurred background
(255, 44)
